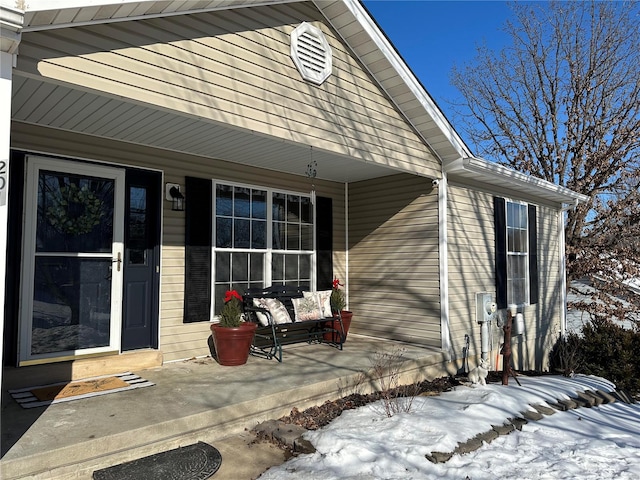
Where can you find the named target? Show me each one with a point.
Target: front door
(141, 260)
(91, 249)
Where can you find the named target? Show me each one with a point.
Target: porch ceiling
(57, 106)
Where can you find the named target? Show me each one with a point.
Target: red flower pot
(233, 344)
(335, 324)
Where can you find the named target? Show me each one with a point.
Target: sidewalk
(194, 400)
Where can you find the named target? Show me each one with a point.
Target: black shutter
(198, 218)
(324, 243)
(13, 257)
(533, 255)
(499, 207)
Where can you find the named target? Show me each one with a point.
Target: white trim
(11, 20)
(563, 273)
(489, 172)
(443, 247)
(80, 4)
(346, 243)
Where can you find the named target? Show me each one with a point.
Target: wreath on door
(74, 210)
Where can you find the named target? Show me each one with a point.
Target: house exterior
(157, 154)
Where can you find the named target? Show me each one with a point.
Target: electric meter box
(486, 308)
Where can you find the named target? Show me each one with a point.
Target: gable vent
(311, 53)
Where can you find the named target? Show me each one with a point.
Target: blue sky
(432, 36)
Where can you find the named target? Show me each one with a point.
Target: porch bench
(270, 338)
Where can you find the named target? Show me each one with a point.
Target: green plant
(337, 300)
(611, 351)
(604, 349)
(231, 313)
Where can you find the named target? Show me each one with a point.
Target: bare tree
(562, 102)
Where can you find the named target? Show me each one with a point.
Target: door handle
(118, 261)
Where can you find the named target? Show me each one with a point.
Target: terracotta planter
(233, 344)
(335, 324)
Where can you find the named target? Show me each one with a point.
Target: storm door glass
(73, 263)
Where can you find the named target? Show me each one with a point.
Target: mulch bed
(319, 416)
(316, 417)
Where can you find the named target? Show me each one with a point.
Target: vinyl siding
(231, 67)
(394, 288)
(471, 257)
(178, 340)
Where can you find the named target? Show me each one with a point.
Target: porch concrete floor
(191, 401)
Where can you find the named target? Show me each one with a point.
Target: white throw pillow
(277, 310)
(324, 299)
(307, 308)
(262, 317)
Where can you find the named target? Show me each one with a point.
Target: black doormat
(193, 462)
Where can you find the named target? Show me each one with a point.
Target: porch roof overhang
(349, 19)
(473, 169)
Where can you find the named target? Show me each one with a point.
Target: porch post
(10, 25)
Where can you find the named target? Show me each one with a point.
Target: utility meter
(486, 308)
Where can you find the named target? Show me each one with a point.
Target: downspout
(563, 266)
(445, 335)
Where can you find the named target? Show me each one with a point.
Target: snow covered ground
(587, 443)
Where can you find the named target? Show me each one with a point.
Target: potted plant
(232, 337)
(338, 307)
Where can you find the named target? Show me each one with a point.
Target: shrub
(566, 355)
(603, 349)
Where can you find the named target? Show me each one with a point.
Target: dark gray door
(141, 260)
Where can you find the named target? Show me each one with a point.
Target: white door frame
(34, 165)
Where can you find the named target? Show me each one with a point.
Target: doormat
(193, 462)
(43, 395)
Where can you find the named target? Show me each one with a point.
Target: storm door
(73, 260)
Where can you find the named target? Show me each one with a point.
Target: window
(261, 237)
(516, 253)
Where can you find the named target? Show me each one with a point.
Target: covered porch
(192, 400)
(213, 94)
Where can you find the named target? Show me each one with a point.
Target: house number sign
(3, 182)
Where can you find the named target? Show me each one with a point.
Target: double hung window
(262, 237)
(516, 253)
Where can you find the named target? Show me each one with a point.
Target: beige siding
(471, 240)
(394, 287)
(471, 243)
(232, 67)
(177, 339)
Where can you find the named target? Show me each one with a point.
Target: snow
(588, 443)
(581, 291)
